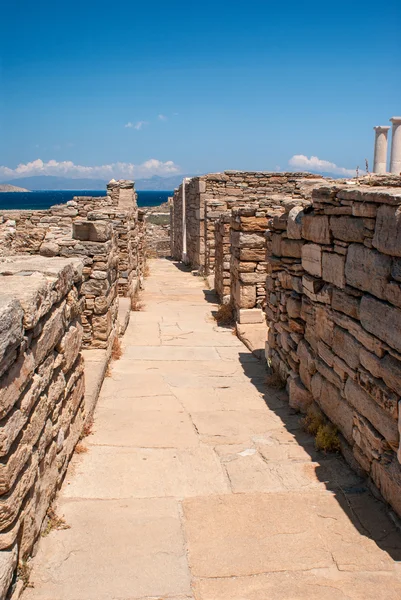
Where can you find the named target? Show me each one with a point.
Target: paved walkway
(199, 484)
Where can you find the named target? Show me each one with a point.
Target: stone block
(294, 306)
(387, 477)
(254, 223)
(382, 320)
(367, 270)
(328, 397)
(312, 259)
(366, 406)
(294, 224)
(333, 269)
(316, 228)
(299, 397)
(8, 564)
(345, 303)
(11, 316)
(387, 236)
(249, 278)
(346, 347)
(248, 316)
(347, 229)
(52, 331)
(70, 346)
(291, 248)
(252, 254)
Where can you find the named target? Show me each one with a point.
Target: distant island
(6, 187)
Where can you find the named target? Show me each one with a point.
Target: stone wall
(41, 394)
(222, 276)
(176, 225)
(334, 315)
(209, 195)
(108, 232)
(248, 252)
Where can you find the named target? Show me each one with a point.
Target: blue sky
(135, 88)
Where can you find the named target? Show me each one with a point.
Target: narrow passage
(199, 484)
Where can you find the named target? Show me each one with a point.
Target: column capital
(396, 120)
(382, 127)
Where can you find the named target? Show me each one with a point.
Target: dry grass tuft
(136, 304)
(274, 381)
(116, 351)
(87, 430)
(80, 448)
(24, 574)
(327, 438)
(108, 372)
(224, 315)
(313, 420)
(54, 522)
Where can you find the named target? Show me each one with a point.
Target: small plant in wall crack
(53, 521)
(24, 574)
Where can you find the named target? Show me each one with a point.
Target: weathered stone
(333, 268)
(367, 270)
(382, 320)
(328, 397)
(367, 407)
(299, 397)
(388, 479)
(316, 229)
(312, 259)
(254, 223)
(345, 303)
(294, 224)
(347, 229)
(11, 316)
(387, 237)
(249, 316)
(92, 231)
(294, 306)
(346, 346)
(8, 563)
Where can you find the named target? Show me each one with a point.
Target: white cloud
(69, 169)
(162, 117)
(138, 125)
(317, 164)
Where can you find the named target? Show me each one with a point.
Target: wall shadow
(370, 515)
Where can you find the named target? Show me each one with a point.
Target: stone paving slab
(319, 584)
(117, 472)
(170, 353)
(248, 534)
(123, 425)
(116, 549)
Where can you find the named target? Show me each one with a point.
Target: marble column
(380, 158)
(395, 160)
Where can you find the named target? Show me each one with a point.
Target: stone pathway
(200, 484)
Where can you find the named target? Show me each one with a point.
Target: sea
(45, 198)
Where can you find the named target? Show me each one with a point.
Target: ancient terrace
(147, 453)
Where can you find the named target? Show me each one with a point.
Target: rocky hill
(6, 187)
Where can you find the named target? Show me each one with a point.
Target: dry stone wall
(108, 232)
(222, 275)
(208, 196)
(334, 315)
(41, 394)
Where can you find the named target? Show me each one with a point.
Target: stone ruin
(315, 265)
(67, 276)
